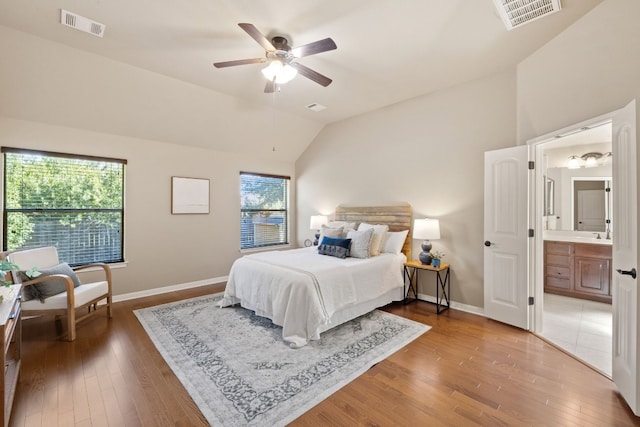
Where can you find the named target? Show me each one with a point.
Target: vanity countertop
(576, 237)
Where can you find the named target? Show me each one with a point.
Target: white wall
(161, 249)
(590, 69)
(429, 152)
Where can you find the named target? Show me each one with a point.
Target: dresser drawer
(558, 272)
(594, 251)
(556, 282)
(562, 248)
(562, 260)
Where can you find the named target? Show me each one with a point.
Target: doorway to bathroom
(577, 315)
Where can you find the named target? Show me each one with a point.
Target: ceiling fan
(282, 59)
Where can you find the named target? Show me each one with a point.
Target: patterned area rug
(239, 371)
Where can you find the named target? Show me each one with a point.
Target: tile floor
(581, 327)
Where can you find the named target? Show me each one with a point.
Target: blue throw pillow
(336, 247)
(334, 241)
(331, 250)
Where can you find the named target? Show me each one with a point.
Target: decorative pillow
(360, 243)
(330, 232)
(394, 241)
(51, 287)
(378, 234)
(336, 247)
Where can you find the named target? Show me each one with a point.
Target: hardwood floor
(467, 370)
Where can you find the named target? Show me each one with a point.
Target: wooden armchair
(73, 296)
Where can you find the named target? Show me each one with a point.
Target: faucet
(597, 235)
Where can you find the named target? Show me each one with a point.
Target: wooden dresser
(10, 322)
(579, 270)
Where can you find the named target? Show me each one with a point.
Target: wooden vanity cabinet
(579, 270)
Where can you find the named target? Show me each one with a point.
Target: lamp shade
(317, 221)
(426, 229)
(574, 162)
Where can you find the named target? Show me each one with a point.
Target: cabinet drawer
(562, 248)
(563, 260)
(559, 272)
(557, 282)
(595, 251)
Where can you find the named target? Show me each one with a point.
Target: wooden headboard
(397, 216)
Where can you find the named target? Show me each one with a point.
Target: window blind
(264, 212)
(72, 202)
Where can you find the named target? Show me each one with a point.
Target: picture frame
(189, 195)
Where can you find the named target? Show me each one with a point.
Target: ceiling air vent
(81, 23)
(515, 13)
(316, 107)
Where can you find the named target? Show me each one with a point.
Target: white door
(506, 227)
(625, 256)
(591, 210)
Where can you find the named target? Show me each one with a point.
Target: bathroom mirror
(591, 200)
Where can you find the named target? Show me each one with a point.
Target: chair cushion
(83, 294)
(51, 287)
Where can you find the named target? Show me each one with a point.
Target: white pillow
(360, 243)
(378, 234)
(394, 241)
(329, 232)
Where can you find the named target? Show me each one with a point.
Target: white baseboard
(457, 305)
(172, 288)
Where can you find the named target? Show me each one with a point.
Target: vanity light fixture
(574, 162)
(591, 159)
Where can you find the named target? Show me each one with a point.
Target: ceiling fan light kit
(281, 73)
(282, 58)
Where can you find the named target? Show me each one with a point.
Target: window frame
(43, 153)
(286, 213)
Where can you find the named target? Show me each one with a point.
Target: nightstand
(443, 283)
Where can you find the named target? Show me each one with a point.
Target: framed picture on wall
(189, 195)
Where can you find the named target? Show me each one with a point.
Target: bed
(308, 293)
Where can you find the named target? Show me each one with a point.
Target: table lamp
(316, 223)
(426, 230)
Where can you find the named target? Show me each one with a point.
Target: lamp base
(425, 255)
(317, 236)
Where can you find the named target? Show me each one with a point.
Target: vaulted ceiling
(388, 51)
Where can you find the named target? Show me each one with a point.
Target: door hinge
(531, 232)
(530, 300)
(531, 164)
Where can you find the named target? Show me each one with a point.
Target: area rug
(239, 371)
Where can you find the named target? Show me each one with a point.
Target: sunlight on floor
(581, 327)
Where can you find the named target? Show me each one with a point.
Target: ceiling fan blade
(257, 36)
(311, 74)
(239, 62)
(313, 48)
(270, 87)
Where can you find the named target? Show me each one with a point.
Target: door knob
(631, 272)
(488, 243)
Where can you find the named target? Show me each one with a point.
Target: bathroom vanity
(578, 267)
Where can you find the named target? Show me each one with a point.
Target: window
(75, 203)
(264, 210)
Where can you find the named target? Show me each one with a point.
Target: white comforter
(300, 290)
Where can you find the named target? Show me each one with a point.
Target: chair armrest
(103, 266)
